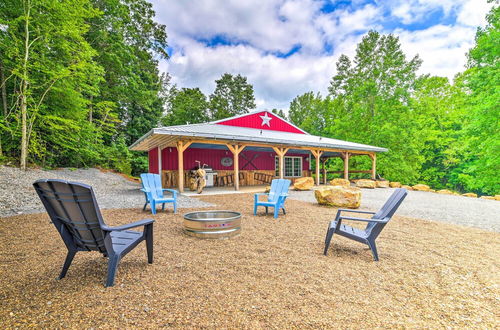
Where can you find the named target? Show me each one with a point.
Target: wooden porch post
(317, 154)
(236, 149)
(281, 154)
(346, 165)
(323, 163)
(374, 165)
(159, 165)
(181, 146)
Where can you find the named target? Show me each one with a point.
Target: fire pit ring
(212, 224)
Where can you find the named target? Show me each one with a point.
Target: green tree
(309, 112)
(130, 43)
(50, 69)
(233, 95)
(187, 106)
(481, 143)
(438, 111)
(370, 97)
(280, 113)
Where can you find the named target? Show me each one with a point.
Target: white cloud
(260, 29)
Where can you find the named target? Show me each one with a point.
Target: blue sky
(288, 47)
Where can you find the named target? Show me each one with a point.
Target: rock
(488, 197)
(382, 184)
(395, 184)
(432, 190)
(497, 197)
(305, 183)
(340, 182)
(407, 187)
(470, 195)
(445, 192)
(421, 187)
(366, 184)
(338, 196)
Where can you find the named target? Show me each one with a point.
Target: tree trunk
(4, 89)
(24, 88)
(4, 98)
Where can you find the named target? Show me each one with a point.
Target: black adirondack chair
(374, 226)
(73, 209)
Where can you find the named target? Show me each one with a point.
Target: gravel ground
(466, 211)
(273, 276)
(112, 190)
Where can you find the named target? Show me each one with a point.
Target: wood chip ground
(272, 276)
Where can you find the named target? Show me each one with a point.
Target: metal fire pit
(212, 224)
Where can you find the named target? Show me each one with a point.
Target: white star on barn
(266, 120)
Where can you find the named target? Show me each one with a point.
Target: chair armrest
(139, 223)
(256, 196)
(362, 219)
(356, 211)
(145, 190)
(173, 191)
(261, 194)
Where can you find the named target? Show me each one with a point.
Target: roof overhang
(220, 134)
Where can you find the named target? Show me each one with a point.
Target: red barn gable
(261, 120)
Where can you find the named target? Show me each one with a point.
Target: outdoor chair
(153, 192)
(275, 198)
(73, 209)
(374, 225)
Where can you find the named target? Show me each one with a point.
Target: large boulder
(407, 187)
(395, 184)
(338, 196)
(366, 184)
(497, 197)
(305, 183)
(421, 187)
(445, 192)
(382, 184)
(488, 197)
(340, 182)
(470, 195)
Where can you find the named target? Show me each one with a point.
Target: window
(292, 168)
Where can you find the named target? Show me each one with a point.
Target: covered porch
(243, 163)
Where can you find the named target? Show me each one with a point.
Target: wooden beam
(181, 146)
(374, 166)
(323, 163)
(159, 165)
(263, 145)
(317, 154)
(235, 150)
(346, 165)
(281, 155)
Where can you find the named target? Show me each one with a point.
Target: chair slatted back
(387, 211)
(73, 210)
(278, 187)
(152, 182)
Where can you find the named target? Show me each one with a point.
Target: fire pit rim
(237, 215)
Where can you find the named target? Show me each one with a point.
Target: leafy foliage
(233, 95)
(187, 106)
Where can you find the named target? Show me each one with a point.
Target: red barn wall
(212, 157)
(153, 160)
(254, 121)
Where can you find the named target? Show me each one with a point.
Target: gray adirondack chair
(373, 228)
(73, 209)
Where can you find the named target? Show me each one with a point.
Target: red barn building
(254, 148)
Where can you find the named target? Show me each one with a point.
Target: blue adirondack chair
(374, 225)
(275, 198)
(153, 192)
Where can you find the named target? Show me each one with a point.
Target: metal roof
(167, 136)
